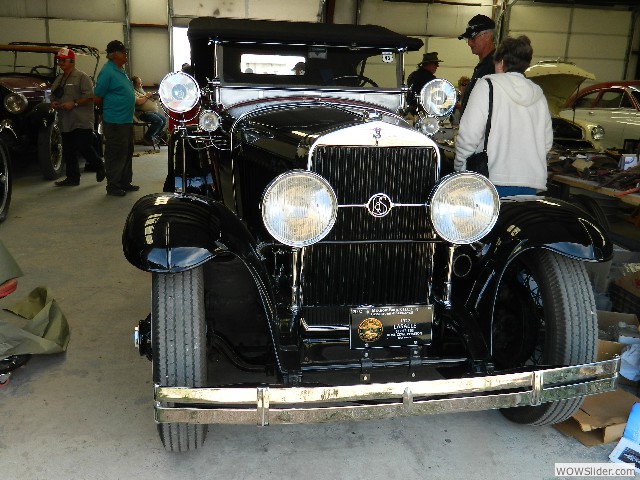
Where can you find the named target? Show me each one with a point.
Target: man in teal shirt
(114, 91)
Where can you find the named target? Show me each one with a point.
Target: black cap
(115, 46)
(478, 24)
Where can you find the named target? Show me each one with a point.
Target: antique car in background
(613, 105)
(28, 126)
(559, 80)
(310, 262)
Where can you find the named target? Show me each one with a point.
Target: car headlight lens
(179, 92)
(597, 132)
(464, 207)
(299, 208)
(428, 125)
(438, 97)
(15, 103)
(209, 121)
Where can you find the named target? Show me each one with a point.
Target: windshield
(322, 66)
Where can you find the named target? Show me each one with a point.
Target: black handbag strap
(487, 128)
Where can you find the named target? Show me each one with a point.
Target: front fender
(543, 222)
(170, 233)
(527, 223)
(42, 115)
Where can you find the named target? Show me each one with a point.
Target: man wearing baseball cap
(114, 91)
(72, 97)
(480, 37)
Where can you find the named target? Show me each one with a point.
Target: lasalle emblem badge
(370, 330)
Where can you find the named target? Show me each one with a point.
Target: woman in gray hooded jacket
(521, 132)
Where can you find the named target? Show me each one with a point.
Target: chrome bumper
(277, 405)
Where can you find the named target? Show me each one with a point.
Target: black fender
(527, 223)
(42, 115)
(171, 233)
(530, 222)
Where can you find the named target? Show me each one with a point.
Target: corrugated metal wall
(601, 40)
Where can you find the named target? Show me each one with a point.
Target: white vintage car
(559, 80)
(613, 105)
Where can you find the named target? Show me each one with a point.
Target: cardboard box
(613, 319)
(601, 419)
(607, 350)
(621, 327)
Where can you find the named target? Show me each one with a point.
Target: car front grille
(405, 174)
(367, 260)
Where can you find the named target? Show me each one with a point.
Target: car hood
(28, 86)
(558, 80)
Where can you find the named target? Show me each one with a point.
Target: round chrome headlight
(179, 92)
(209, 121)
(15, 103)
(299, 208)
(597, 132)
(464, 207)
(438, 97)
(428, 125)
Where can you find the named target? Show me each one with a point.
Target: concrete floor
(87, 414)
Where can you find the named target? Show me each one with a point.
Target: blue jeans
(157, 123)
(509, 191)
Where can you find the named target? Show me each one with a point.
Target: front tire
(179, 346)
(50, 151)
(5, 182)
(545, 315)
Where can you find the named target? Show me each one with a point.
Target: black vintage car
(28, 126)
(310, 262)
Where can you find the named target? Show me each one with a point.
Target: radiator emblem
(379, 205)
(370, 330)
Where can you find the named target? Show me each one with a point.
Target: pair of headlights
(180, 93)
(299, 208)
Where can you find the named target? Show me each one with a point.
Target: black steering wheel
(361, 80)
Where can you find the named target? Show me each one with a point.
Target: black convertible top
(249, 30)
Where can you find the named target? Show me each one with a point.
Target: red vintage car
(613, 105)
(28, 126)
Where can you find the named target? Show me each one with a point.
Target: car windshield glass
(586, 101)
(309, 66)
(27, 62)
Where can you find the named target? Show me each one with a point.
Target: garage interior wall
(601, 40)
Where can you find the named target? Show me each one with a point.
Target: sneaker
(147, 142)
(67, 183)
(116, 192)
(100, 173)
(131, 188)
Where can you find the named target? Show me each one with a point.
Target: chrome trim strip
(322, 404)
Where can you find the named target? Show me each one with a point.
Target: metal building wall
(601, 40)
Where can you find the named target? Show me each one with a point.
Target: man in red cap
(479, 35)
(72, 93)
